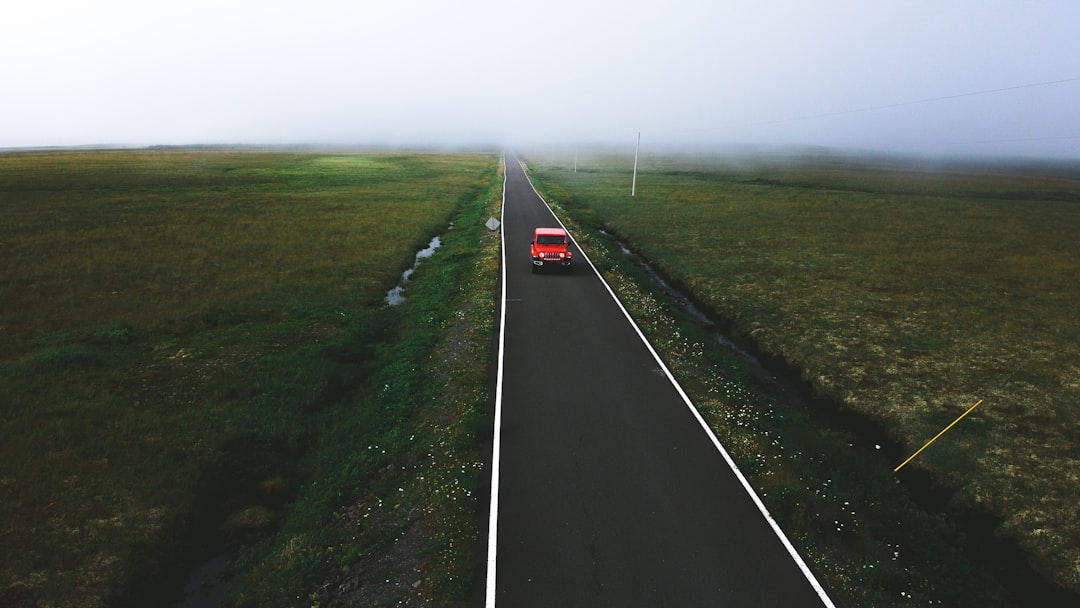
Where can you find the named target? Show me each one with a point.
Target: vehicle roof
(558, 231)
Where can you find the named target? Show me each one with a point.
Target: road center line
(493, 509)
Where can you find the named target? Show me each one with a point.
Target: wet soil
(205, 586)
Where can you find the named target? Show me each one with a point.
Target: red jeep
(550, 248)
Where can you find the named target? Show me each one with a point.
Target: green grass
(389, 514)
(182, 334)
(904, 293)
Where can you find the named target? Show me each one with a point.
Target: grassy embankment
(904, 295)
(195, 356)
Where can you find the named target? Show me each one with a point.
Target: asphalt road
(609, 491)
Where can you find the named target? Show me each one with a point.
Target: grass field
(904, 293)
(191, 341)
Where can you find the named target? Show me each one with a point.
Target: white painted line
(704, 425)
(493, 510)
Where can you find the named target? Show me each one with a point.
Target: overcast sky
(993, 77)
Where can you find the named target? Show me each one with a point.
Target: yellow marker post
(953, 423)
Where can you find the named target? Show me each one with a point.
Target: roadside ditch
(783, 382)
(205, 584)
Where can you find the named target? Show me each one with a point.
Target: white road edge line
(496, 444)
(689, 404)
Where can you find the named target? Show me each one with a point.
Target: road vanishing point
(608, 489)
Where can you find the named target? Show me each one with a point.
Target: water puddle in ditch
(396, 295)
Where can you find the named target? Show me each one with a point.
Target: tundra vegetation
(902, 292)
(195, 358)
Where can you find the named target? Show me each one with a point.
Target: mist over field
(988, 77)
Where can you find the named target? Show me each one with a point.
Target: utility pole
(633, 184)
(575, 158)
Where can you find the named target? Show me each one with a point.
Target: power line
(921, 101)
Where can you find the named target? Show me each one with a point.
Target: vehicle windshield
(551, 240)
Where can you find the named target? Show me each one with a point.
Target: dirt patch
(390, 572)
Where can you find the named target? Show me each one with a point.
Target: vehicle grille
(547, 255)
